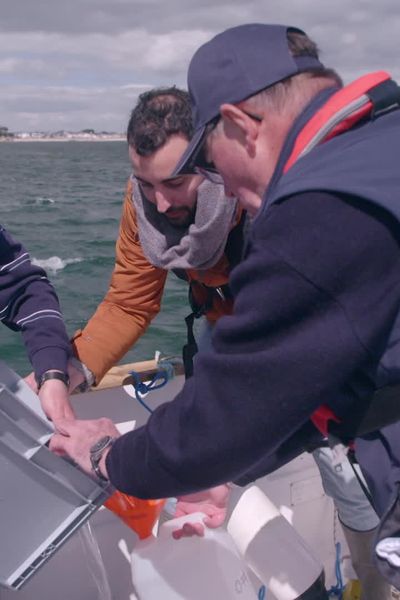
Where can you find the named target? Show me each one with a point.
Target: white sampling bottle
(191, 568)
(274, 551)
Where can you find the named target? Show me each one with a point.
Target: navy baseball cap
(233, 66)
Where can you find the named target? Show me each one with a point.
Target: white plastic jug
(274, 550)
(190, 568)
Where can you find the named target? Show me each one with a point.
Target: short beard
(184, 221)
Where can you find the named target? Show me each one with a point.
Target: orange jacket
(134, 299)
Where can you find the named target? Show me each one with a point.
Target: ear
(245, 126)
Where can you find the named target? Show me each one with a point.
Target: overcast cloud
(82, 63)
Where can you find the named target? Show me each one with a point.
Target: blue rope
(337, 590)
(159, 380)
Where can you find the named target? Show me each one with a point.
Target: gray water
(63, 201)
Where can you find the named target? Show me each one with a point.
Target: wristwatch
(96, 452)
(47, 375)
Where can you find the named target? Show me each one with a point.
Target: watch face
(100, 444)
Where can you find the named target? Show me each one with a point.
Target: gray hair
(291, 95)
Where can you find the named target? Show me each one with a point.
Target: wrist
(103, 464)
(82, 378)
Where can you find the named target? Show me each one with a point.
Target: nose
(163, 204)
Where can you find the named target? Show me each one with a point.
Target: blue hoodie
(28, 303)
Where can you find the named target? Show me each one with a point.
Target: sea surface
(63, 201)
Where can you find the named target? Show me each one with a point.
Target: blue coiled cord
(338, 589)
(159, 380)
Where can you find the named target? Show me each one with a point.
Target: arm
(28, 303)
(132, 301)
(309, 318)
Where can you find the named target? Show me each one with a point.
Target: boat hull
(75, 572)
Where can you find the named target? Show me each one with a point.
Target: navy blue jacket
(316, 321)
(28, 303)
(308, 316)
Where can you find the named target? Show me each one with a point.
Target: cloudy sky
(72, 64)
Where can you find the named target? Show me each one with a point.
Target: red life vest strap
(321, 417)
(339, 100)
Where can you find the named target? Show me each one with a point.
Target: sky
(74, 64)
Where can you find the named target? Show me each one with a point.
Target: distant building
(4, 132)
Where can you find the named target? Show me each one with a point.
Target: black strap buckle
(190, 349)
(385, 97)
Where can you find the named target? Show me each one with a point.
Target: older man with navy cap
(229, 69)
(316, 319)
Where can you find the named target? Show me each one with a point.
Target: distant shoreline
(76, 138)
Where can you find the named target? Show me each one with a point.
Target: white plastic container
(274, 550)
(190, 568)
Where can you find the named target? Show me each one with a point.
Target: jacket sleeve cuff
(89, 353)
(48, 359)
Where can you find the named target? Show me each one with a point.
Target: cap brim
(187, 162)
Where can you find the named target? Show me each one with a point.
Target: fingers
(186, 508)
(59, 444)
(214, 516)
(189, 530)
(215, 520)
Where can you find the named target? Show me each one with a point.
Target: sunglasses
(207, 169)
(210, 173)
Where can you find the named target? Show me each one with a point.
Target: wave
(55, 263)
(40, 201)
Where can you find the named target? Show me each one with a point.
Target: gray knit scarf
(198, 246)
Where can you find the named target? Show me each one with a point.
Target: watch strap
(53, 375)
(96, 469)
(96, 455)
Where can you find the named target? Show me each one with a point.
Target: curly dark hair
(158, 114)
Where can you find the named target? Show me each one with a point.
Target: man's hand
(213, 503)
(75, 438)
(54, 398)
